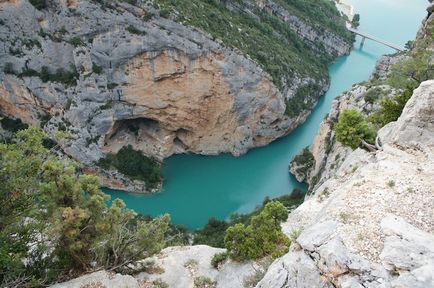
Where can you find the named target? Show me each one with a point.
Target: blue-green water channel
(198, 187)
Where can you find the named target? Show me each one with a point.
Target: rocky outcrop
(176, 267)
(321, 259)
(100, 279)
(370, 222)
(182, 266)
(110, 79)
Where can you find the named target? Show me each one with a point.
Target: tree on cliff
(56, 223)
(262, 237)
(352, 128)
(356, 21)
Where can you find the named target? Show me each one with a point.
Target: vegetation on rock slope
(135, 165)
(405, 76)
(55, 222)
(262, 237)
(213, 232)
(264, 37)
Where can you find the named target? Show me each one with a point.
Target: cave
(132, 132)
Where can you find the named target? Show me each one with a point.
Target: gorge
(219, 186)
(217, 96)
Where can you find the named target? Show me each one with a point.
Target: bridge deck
(373, 38)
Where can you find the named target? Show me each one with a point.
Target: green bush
(9, 68)
(212, 233)
(304, 99)
(13, 125)
(134, 30)
(76, 42)
(96, 69)
(356, 21)
(372, 95)
(43, 198)
(304, 162)
(219, 258)
(28, 73)
(262, 237)
(203, 282)
(135, 165)
(352, 128)
(39, 4)
(391, 108)
(68, 78)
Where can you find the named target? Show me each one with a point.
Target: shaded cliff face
(113, 74)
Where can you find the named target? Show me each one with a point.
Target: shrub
(28, 73)
(203, 282)
(352, 128)
(356, 21)
(303, 99)
(9, 68)
(159, 284)
(96, 69)
(165, 13)
(13, 125)
(219, 258)
(43, 198)
(391, 108)
(68, 78)
(263, 236)
(413, 70)
(134, 30)
(304, 162)
(39, 4)
(135, 165)
(372, 95)
(212, 233)
(76, 42)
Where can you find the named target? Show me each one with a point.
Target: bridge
(365, 35)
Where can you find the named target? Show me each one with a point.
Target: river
(198, 187)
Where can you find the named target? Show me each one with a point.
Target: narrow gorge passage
(198, 187)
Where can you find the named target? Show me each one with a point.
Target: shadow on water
(198, 187)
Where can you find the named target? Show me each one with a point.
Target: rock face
(175, 267)
(182, 265)
(155, 84)
(321, 259)
(369, 219)
(100, 279)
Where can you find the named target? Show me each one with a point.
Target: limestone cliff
(357, 230)
(368, 221)
(112, 74)
(371, 224)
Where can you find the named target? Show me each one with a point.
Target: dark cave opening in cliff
(134, 127)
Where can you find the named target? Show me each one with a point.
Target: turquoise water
(198, 187)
